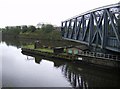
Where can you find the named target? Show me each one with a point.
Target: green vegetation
(11, 30)
(29, 46)
(46, 31)
(45, 50)
(47, 28)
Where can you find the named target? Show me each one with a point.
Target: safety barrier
(98, 55)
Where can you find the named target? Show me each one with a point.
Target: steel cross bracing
(99, 27)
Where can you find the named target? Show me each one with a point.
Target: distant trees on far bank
(47, 28)
(46, 31)
(17, 29)
(11, 30)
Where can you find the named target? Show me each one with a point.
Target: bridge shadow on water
(82, 76)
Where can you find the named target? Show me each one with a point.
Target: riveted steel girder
(99, 27)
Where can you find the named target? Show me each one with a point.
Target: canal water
(26, 70)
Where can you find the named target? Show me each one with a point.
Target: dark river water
(23, 70)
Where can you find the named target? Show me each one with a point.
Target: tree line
(46, 31)
(23, 29)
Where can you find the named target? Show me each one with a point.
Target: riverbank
(87, 57)
(59, 62)
(65, 58)
(89, 60)
(48, 52)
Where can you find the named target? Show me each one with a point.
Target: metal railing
(98, 55)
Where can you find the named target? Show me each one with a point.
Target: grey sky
(31, 12)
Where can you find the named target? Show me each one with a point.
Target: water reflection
(78, 75)
(38, 59)
(18, 42)
(20, 70)
(83, 76)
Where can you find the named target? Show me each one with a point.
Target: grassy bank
(31, 46)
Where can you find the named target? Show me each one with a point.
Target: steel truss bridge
(99, 27)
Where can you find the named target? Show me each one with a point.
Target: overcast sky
(31, 12)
